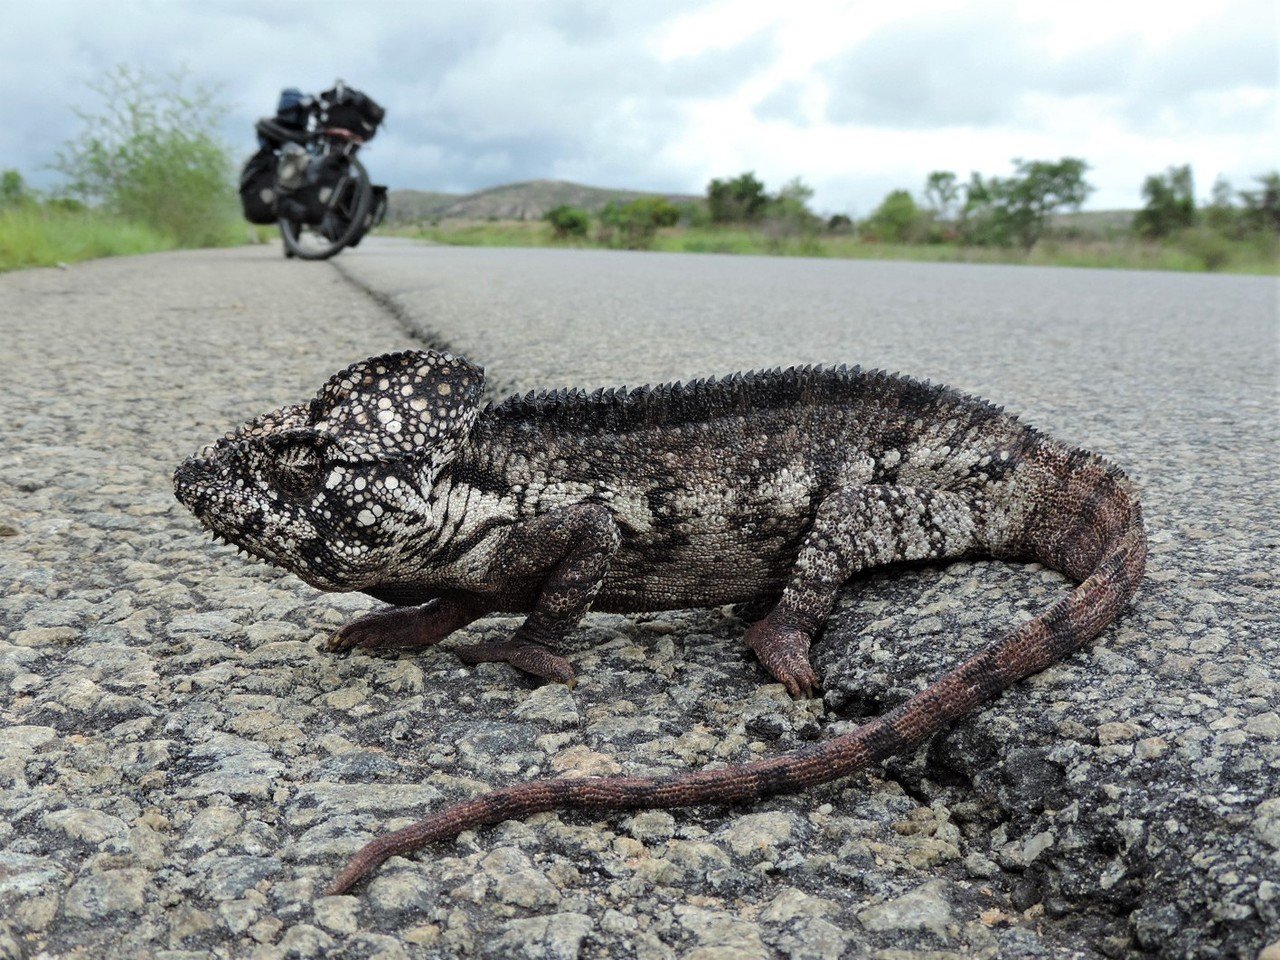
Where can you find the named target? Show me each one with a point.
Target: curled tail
(1083, 520)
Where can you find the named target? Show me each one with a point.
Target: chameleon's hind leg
(854, 529)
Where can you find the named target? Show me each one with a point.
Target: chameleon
(769, 489)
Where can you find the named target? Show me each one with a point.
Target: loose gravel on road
(183, 768)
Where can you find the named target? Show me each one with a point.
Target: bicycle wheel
(343, 220)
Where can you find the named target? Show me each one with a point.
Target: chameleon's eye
(296, 472)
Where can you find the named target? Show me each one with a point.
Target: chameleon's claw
(784, 652)
(803, 683)
(399, 627)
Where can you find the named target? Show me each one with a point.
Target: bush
(788, 215)
(694, 214)
(13, 190)
(149, 155)
(1208, 247)
(567, 222)
(840, 223)
(1171, 204)
(1262, 206)
(738, 200)
(633, 225)
(896, 220)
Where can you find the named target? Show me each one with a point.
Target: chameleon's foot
(406, 626)
(529, 657)
(784, 652)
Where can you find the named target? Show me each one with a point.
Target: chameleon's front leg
(563, 557)
(420, 626)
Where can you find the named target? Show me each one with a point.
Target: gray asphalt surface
(182, 768)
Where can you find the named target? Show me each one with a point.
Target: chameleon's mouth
(191, 484)
(194, 484)
(235, 518)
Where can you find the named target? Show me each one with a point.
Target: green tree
(789, 211)
(1221, 212)
(941, 194)
(1262, 206)
(13, 189)
(150, 154)
(1016, 210)
(896, 220)
(1170, 203)
(568, 222)
(734, 201)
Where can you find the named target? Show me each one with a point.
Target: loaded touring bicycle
(306, 176)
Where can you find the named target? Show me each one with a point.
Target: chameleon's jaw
(230, 519)
(192, 481)
(239, 516)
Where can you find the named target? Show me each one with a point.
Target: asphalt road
(182, 767)
(1072, 349)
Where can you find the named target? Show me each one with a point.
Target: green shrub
(568, 222)
(13, 190)
(738, 200)
(1209, 247)
(634, 225)
(896, 220)
(840, 223)
(1262, 206)
(150, 155)
(1171, 203)
(787, 215)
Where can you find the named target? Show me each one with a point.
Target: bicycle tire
(292, 232)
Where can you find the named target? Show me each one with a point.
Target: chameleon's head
(332, 489)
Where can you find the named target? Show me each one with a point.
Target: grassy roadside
(1196, 252)
(39, 236)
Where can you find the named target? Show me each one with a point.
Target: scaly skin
(773, 487)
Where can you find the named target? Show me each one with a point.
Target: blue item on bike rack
(293, 108)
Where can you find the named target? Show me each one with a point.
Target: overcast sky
(855, 98)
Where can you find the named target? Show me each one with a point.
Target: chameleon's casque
(769, 488)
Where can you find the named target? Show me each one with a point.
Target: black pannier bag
(258, 187)
(308, 199)
(352, 111)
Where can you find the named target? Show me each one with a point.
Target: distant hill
(513, 201)
(411, 206)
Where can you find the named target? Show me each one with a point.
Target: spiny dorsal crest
(399, 404)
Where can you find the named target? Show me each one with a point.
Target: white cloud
(855, 97)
